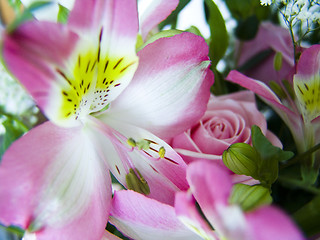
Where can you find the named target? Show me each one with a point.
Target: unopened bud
(250, 197)
(277, 61)
(242, 159)
(137, 183)
(277, 89)
(289, 88)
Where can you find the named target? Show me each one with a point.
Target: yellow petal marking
(308, 96)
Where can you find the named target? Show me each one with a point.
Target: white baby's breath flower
(265, 2)
(15, 100)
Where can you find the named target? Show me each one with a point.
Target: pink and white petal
(230, 223)
(34, 48)
(109, 236)
(54, 184)
(164, 176)
(151, 14)
(171, 87)
(114, 23)
(210, 185)
(188, 213)
(248, 180)
(261, 90)
(118, 18)
(108, 30)
(143, 218)
(271, 223)
(309, 62)
(269, 36)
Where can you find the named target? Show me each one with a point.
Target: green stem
(303, 155)
(299, 184)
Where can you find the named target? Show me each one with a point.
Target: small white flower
(265, 2)
(15, 100)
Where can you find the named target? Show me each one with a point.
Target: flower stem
(301, 156)
(300, 184)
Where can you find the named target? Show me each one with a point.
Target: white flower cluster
(297, 10)
(304, 12)
(15, 100)
(265, 2)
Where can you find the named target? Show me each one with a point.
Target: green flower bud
(250, 197)
(277, 61)
(289, 88)
(242, 159)
(277, 89)
(137, 183)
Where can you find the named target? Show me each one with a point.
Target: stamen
(162, 152)
(132, 142)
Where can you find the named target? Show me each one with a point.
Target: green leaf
(26, 14)
(250, 197)
(270, 156)
(248, 14)
(14, 129)
(239, 9)
(172, 18)
(63, 14)
(194, 30)
(247, 28)
(308, 217)
(219, 39)
(246, 8)
(16, 5)
(161, 34)
(17, 231)
(265, 147)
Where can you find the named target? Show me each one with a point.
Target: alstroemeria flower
(210, 186)
(143, 218)
(269, 39)
(151, 12)
(105, 112)
(301, 111)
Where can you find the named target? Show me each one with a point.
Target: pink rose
(228, 120)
